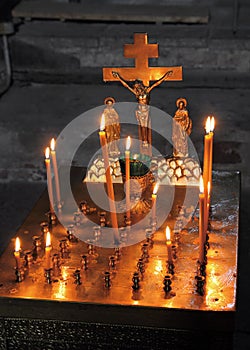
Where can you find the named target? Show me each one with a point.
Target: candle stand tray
(85, 313)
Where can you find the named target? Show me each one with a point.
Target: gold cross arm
(141, 51)
(153, 73)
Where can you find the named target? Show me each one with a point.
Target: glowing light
(212, 124)
(201, 185)
(47, 152)
(168, 234)
(52, 144)
(17, 245)
(208, 125)
(158, 267)
(128, 143)
(48, 239)
(156, 187)
(102, 125)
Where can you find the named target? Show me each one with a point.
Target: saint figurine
(182, 127)
(112, 126)
(141, 91)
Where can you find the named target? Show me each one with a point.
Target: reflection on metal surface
(220, 287)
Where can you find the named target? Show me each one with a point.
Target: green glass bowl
(139, 165)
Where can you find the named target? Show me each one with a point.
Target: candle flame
(48, 239)
(128, 143)
(52, 144)
(17, 245)
(47, 153)
(212, 124)
(208, 125)
(156, 187)
(201, 185)
(102, 125)
(208, 188)
(168, 236)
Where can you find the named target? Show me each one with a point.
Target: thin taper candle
(127, 176)
(54, 162)
(169, 245)
(154, 200)
(17, 253)
(202, 232)
(48, 249)
(49, 178)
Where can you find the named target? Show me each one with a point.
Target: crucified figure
(141, 91)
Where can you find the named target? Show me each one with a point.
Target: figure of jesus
(182, 127)
(141, 91)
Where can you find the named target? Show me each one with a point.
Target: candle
(17, 253)
(48, 249)
(202, 231)
(208, 153)
(169, 245)
(206, 160)
(49, 179)
(212, 125)
(127, 176)
(54, 162)
(110, 189)
(154, 197)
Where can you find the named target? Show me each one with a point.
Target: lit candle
(206, 160)
(54, 162)
(49, 178)
(154, 198)
(169, 245)
(110, 189)
(48, 249)
(127, 176)
(202, 232)
(208, 153)
(212, 125)
(17, 253)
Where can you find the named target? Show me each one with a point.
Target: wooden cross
(141, 51)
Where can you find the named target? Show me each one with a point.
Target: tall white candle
(127, 176)
(202, 231)
(49, 179)
(54, 162)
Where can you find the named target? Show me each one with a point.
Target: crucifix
(141, 75)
